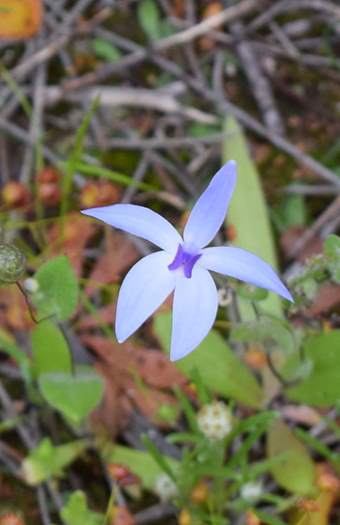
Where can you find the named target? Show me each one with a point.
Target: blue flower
(182, 265)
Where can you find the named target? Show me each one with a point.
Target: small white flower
(165, 488)
(215, 420)
(251, 491)
(31, 285)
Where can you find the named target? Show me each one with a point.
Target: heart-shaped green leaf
(75, 396)
(46, 460)
(58, 289)
(321, 387)
(50, 350)
(76, 511)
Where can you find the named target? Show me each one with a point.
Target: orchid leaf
(221, 370)
(248, 212)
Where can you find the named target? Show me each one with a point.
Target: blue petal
(209, 211)
(245, 266)
(139, 221)
(194, 312)
(144, 289)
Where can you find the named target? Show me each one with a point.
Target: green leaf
(332, 250)
(75, 156)
(76, 511)
(198, 130)
(46, 460)
(58, 289)
(50, 350)
(334, 270)
(105, 50)
(321, 387)
(220, 369)
(114, 176)
(75, 396)
(158, 457)
(8, 345)
(149, 18)
(296, 471)
(293, 211)
(248, 212)
(271, 331)
(250, 292)
(269, 519)
(332, 246)
(139, 462)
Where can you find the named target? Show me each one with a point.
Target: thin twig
(285, 6)
(258, 82)
(227, 15)
(228, 107)
(132, 97)
(183, 37)
(328, 215)
(155, 513)
(43, 506)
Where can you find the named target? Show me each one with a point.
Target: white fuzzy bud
(251, 491)
(31, 285)
(165, 488)
(215, 420)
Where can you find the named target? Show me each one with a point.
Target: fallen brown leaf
(290, 236)
(134, 375)
(78, 230)
(301, 414)
(119, 254)
(14, 312)
(106, 315)
(20, 18)
(328, 297)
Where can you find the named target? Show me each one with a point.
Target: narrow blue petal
(139, 221)
(209, 212)
(144, 289)
(245, 266)
(194, 312)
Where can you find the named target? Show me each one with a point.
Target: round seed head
(12, 263)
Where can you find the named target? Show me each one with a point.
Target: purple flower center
(184, 260)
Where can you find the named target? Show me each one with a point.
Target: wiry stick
(331, 213)
(285, 6)
(258, 82)
(132, 97)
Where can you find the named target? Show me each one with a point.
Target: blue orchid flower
(182, 266)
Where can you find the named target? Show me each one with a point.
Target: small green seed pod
(12, 263)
